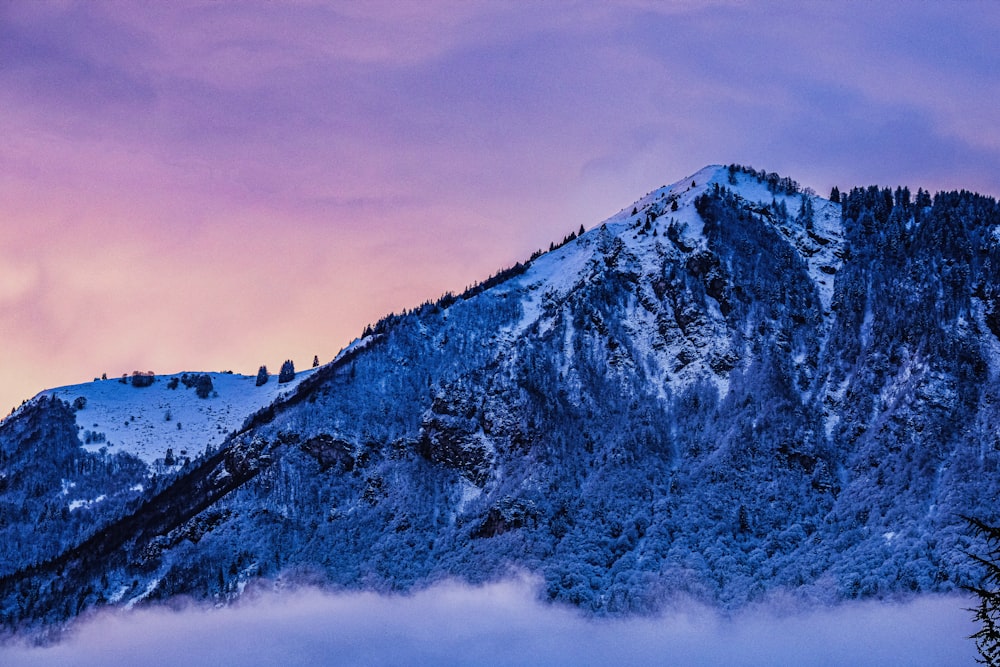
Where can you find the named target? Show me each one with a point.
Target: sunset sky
(220, 185)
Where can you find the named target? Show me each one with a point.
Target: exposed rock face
(452, 434)
(329, 452)
(505, 515)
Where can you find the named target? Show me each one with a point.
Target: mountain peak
(707, 394)
(665, 226)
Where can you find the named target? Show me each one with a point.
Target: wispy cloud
(325, 164)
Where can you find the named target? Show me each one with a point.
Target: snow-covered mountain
(168, 415)
(729, 389)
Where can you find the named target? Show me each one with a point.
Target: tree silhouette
(203, 386)
(287, 373)
(987, 613)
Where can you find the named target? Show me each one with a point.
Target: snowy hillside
(730, 390)
(168, 414)
(820, 244)
(665, 226)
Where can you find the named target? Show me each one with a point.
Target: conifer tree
(806, 212)
(262, 376)
(987, 613)
(287, 373)
(203, 386)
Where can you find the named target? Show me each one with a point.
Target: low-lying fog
(504, 623)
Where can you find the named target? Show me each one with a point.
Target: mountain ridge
(756, 390)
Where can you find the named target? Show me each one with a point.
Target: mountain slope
(146, 421)
(731, 388)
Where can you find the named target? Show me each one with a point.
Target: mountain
(731, 389)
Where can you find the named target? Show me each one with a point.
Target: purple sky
(209, 185)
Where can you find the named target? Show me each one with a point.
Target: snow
(77, 504)
(556, 273)
(150, 587)
(134, 419)
(148, 421)
(355, 345)
(470, 492)
(115, 597)
(818, 249)
(552, 276)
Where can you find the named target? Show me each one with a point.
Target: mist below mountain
(504, 624)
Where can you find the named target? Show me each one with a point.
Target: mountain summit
(731, 388)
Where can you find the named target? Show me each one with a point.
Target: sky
(219, 185)
(504, 624)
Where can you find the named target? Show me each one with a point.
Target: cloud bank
(503, 623)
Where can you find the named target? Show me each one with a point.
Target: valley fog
(504, 623)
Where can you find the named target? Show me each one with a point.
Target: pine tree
(806, 212)
(987, 614)
(287, 373)
(835, 195)
(262, 376)
(315, 361)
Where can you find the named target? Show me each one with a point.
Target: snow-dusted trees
(37, 521)
(806, 211)
(262, 376)
(287, 373)
(203, 386)
(613, 471)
